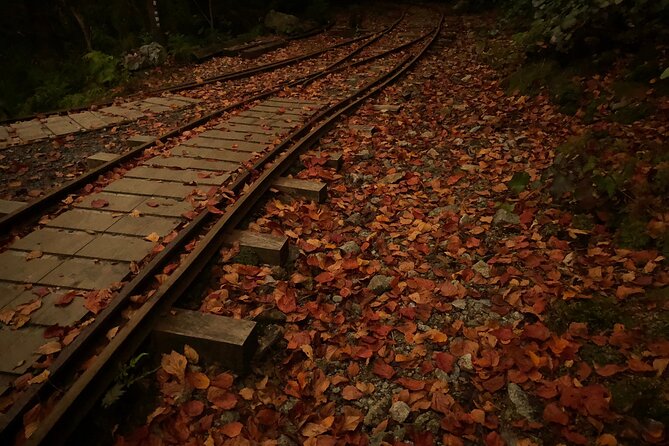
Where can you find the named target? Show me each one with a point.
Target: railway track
(27, 129)
(226, 169)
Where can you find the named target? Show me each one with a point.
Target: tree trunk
(211, 15)
(85, 29)
(154, 19)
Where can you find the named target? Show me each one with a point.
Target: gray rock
(399, 411)
(502, 216)
(465, 362)
(460, 304)
(337, 299)
(428, 421)
(151, 55)
(285, 440)
(354, 219)
(350, 247)
(482, 268)
(377, 411)
(520, 401)
(281, 22)
(427, 134)
(433, 153)
(466, 220)
(380, 283)
(229, 416)
(365, 154)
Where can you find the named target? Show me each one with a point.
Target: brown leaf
(232, 429)
(174, 364)
(99, 203)
(198, 380)
(49, 348)
(351, 393)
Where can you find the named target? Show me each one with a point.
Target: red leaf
(232, 429)
(444, 361)
(537, 331)
(99, 203)
(383, 370)
(411, 384)
(193, 408)
(554, 414)
(351, 393)
(494, 384)
(65, 299)
(324, 277)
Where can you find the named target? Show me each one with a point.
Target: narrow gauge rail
(217, 78)
(93, 381)
(33, 209)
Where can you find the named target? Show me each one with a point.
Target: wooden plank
(8, 206)
(230, 342)
(138, 140)
(100, 158)
(268, 248)
(312, 190)
(335, 160)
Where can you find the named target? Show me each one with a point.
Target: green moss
(530, 78)
(599, 313)
(583, 221)
(247, 257)
(601, 355)
(642, 397)
(631, 113)
(632, 233)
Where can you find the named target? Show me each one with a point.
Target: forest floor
(448, 292)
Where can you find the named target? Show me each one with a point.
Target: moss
(641, 397)
(631, 113)
(583, 221)
(601, 355)
(632, 233)
(599, 313)
(247, 257)
(530, 78)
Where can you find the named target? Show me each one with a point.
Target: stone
(281, 22)
(117, 248)
(61, 125)
(84, 220)
(377, 411)
(213, 154)
(465, 362)
(177, 176)
(505, 217)
(110, 202)
(18, 348)
(355, 219)
(135, 186)
(460, 304)
(151, 55)
(520, 401)
(100, 158)
(30, 130)
(399, 411)
(124, 112)
(143, 225)
(350, 247)
(86, 274)
(482, 268)
(8, 206)
(89, 120)
(138, 140)
(192, 163)
(15, 268)
(380, 283)
(54, 241)
(337, 299)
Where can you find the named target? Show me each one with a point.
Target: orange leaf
(232, 429)
(351, 393)
(198, 380)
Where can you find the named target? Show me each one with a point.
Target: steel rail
(205, 81)
(83, 394)
(33, 208)
(60, 365)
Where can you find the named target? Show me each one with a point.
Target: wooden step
(270, 249)
(218, 339)
(312, 190)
